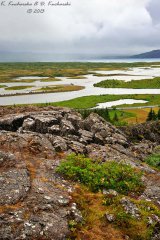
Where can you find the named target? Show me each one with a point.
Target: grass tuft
(154, 160)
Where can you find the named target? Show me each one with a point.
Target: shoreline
(42, 92)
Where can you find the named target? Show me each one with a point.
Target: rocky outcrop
(146, 131)
(35, 201)
(62, 130)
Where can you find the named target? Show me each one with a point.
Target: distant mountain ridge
(151, 54)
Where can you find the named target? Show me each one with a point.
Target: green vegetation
(83, 105)
(153, 116)
(88, 101)
(92, 101)
(91, 178)
(100, 75)
(10, 71)
(154, 160)
(2, 86)
(18, 87)
(22, 81)
(110, 175)
(77, 77)
(138, 230)
(60, 88)
(94, 206)
(114, 116)
(115, 119)
(15, 80)
(135, 84)
(51, 79)
(101, 112)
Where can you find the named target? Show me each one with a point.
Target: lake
(52, 57)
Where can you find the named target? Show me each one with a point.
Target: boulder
(55, 130)
(28, 124)
(43, 122)
(92, 119)
(67, 127)
(85, 136)
(12, 122)
(76, 120)
(58, 143)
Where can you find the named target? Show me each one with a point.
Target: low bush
(110, 175)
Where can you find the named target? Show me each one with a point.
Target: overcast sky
(87, 26)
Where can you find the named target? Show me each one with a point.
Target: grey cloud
(92, 26)
(154, 10)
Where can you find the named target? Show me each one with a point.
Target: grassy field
(139, 115)
(77, 77)
(60, 88)
(131, 116)
(51, 79)
(111, 74)
(18, 87)
(10, 71)
(92, 101)
(134, 84)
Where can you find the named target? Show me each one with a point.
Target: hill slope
(151, 54)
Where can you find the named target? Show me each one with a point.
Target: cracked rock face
(14, 185)
(35, 202)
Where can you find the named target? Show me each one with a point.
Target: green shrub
(154, 160)
(104, 112)
(110, 175)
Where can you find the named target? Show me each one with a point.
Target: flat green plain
(92, 101)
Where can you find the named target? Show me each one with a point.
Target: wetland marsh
(109, 84)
